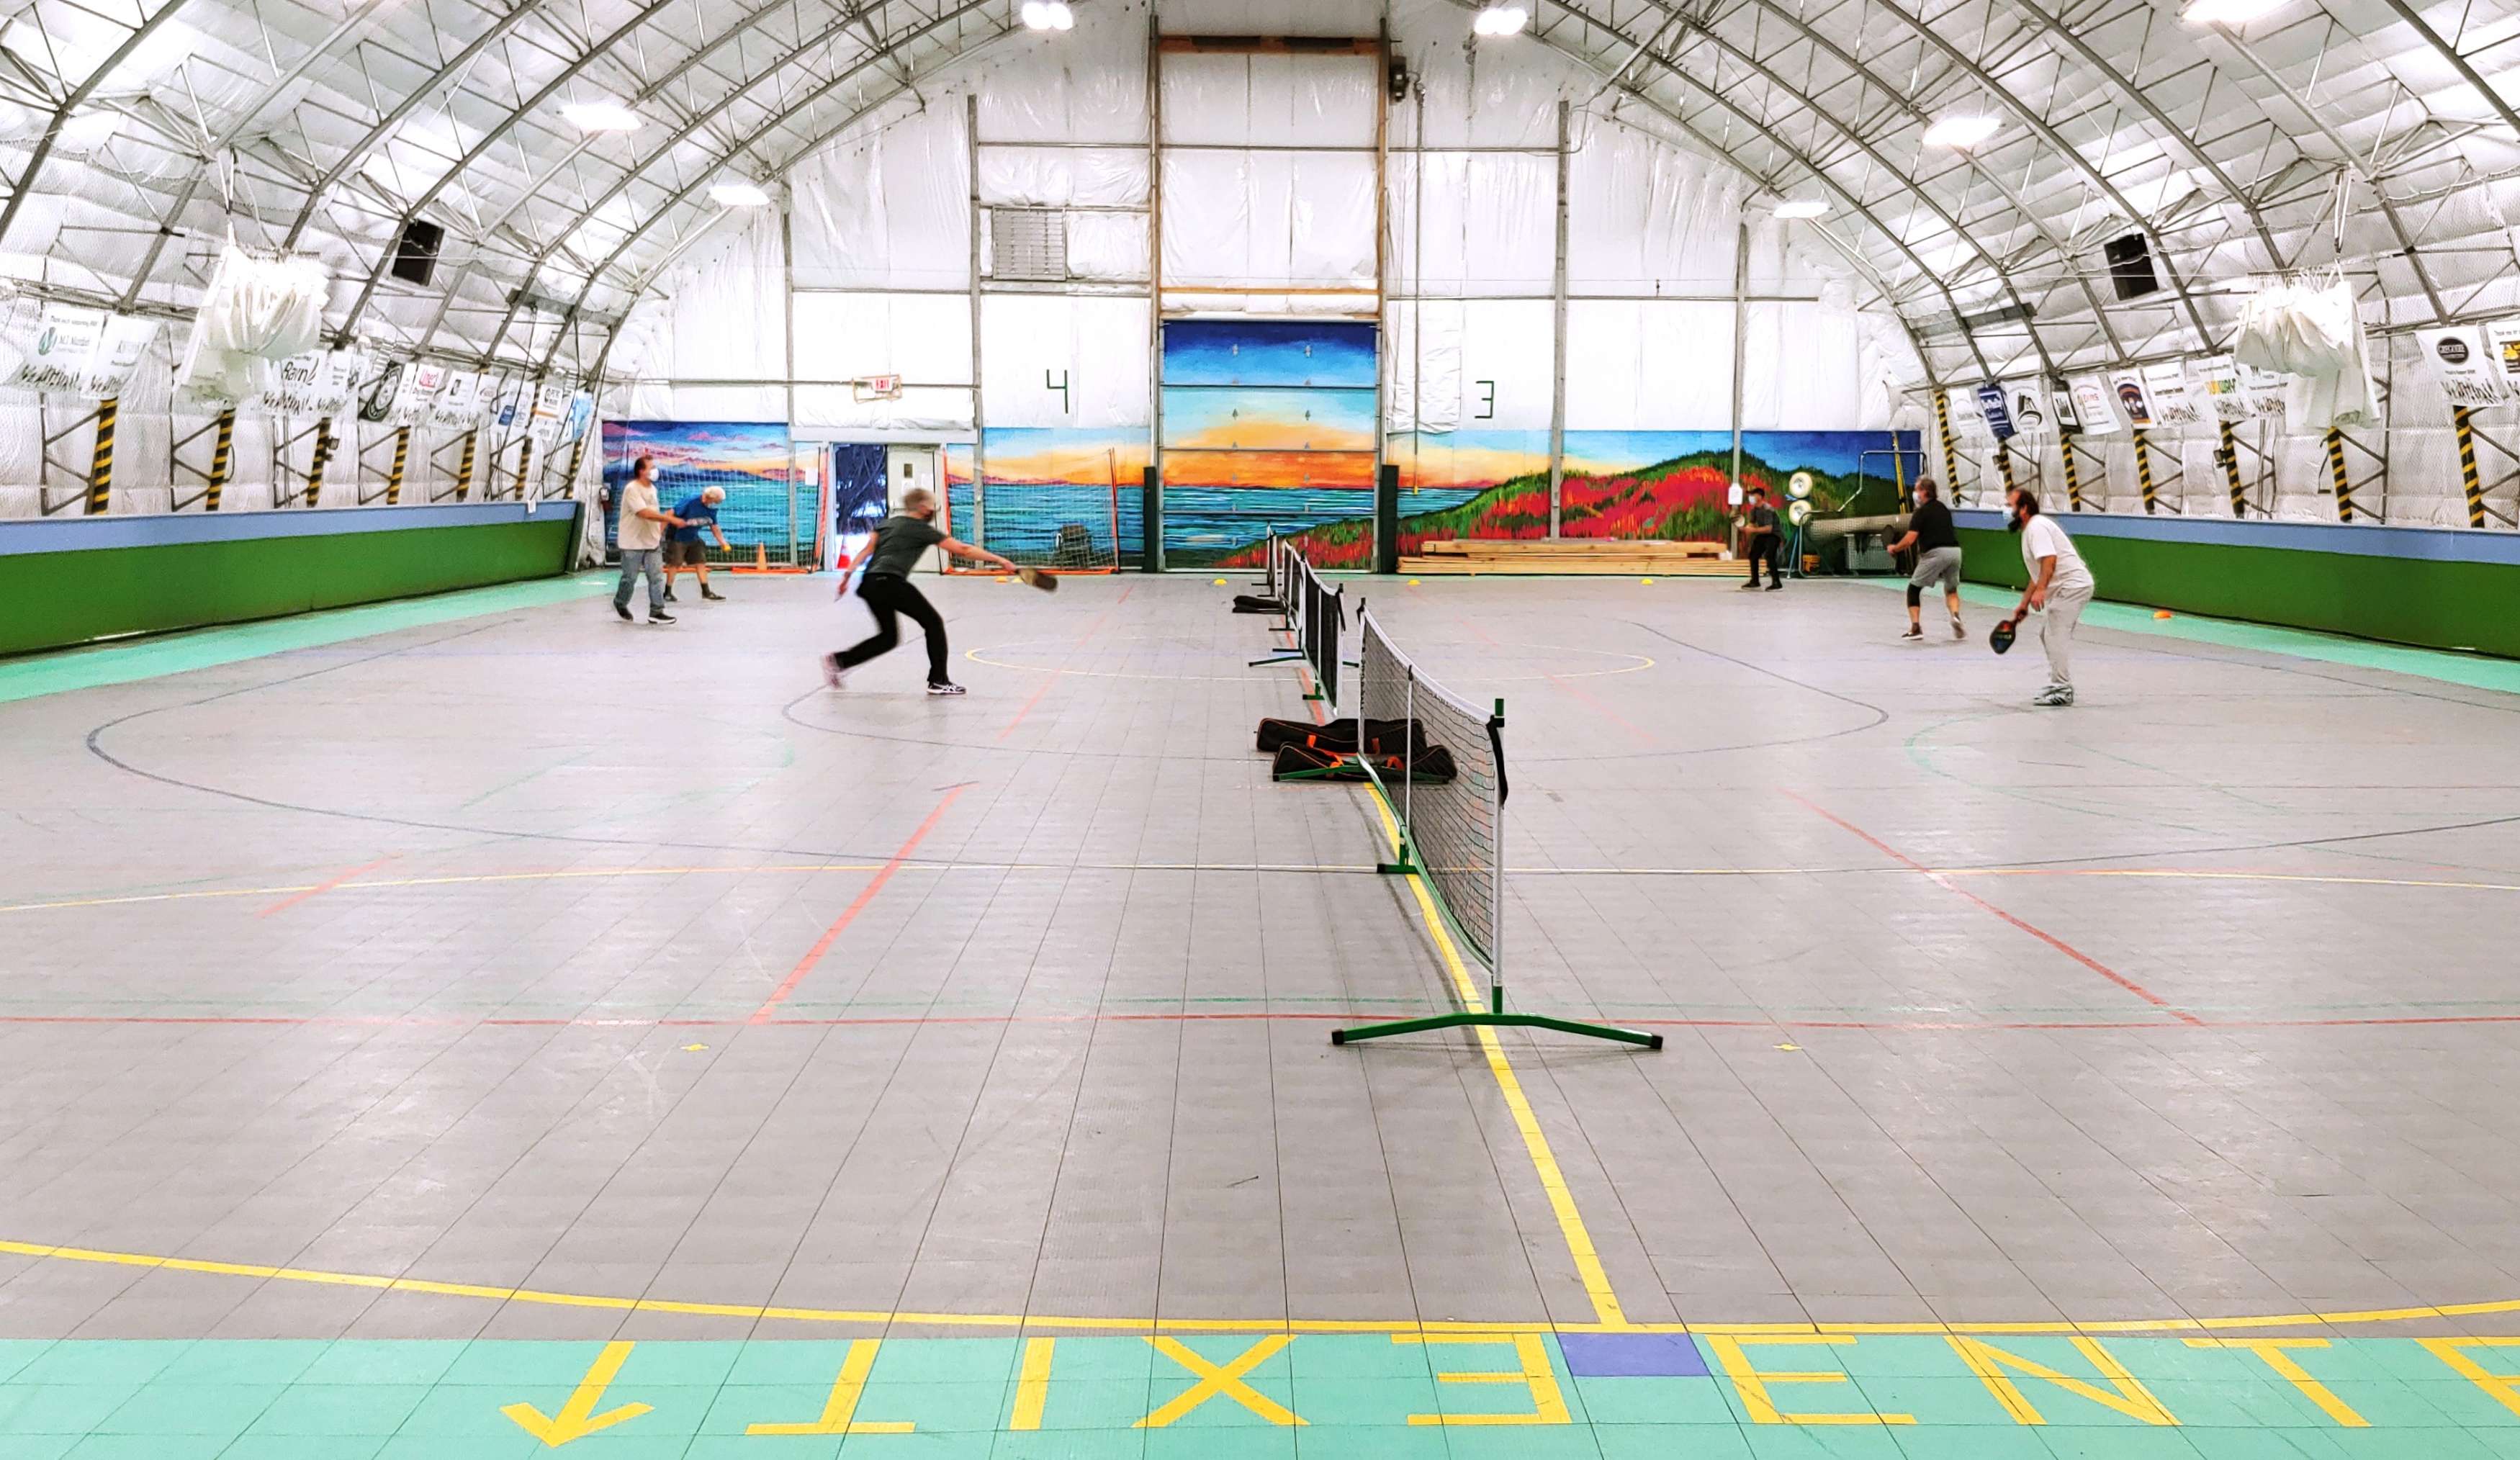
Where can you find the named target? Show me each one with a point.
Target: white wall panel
(1097, 347)
(923, 338)
(1656, 366)
(887, 210)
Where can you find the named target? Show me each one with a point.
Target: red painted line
(2042, 934)
(319, 888)
(1048, 680)
(849, 914)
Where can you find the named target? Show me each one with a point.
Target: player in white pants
(2059, 585)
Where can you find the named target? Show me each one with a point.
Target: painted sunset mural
(748, 459)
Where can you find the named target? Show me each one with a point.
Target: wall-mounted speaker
(414, 257)
(2130, 266)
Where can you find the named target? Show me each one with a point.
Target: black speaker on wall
(2130, 266)
(414, 257)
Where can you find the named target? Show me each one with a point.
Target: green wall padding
(2446, 605)
(57, 600)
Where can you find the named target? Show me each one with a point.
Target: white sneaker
(945, 690)
(2055, 695)
(1959, 631)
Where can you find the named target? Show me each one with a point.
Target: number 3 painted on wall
(1487, 402)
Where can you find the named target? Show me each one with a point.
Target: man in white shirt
(2060, 583)
(642, 539)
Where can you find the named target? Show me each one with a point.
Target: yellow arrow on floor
(577, 1418)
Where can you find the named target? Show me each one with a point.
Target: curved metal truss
(2362, 130)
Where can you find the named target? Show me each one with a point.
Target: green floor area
(2475, 671)
(34, 674)
(1532, 1397)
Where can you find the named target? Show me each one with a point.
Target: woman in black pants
(884, 584)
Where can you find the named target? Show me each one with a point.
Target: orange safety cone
(760, 557)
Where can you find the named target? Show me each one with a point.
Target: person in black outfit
(1763, 542)
(884, 584)
(1938, 559)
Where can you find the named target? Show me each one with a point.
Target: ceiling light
(738, 195)
(1502, 19)
(601, 117)
(1801, 207)
(2233, 13)
(1048, 15)
(1962, 132)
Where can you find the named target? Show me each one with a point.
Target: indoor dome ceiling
(2371, 131)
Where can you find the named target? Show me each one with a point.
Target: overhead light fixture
(1048, 15)
(1962, 132)
(1801, 207)
(2228, 12)
(738, 195)
(606, 115)
(1501, 19)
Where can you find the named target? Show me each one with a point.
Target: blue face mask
(2013, 519)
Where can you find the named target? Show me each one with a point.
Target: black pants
(889, 597)
(1763, 548)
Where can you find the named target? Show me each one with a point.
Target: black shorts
(682, 555)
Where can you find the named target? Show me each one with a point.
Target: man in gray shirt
(884, 583)
(1938, 559)
(642, 539)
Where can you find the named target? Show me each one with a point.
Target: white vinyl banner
(381, 399)
(2134, 401)
(2263, 390)
(124, 339)
(2217, 381)
(2167, 386)
(456, 406)
(1969, 422)
(292, 385)
(416, 400)
(2503, 342)
(2469, 374)
(2026, 401)
(550, 403)
(59, 341)
(2097, 402)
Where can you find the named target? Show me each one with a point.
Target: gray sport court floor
(528, 950)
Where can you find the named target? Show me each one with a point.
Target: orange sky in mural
(1269, 468)
(1086, 464)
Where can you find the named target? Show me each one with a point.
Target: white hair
(712, 494)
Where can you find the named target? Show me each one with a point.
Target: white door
(908, 466)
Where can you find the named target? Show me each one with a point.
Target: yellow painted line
(1142, 1326)
(1535, 1141)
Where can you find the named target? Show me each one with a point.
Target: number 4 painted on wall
(1060, 385)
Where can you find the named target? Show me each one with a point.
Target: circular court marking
(981, 655)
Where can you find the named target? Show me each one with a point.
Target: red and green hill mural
(1676, 500)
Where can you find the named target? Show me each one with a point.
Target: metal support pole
(402, 456)
(2003, 464)
(524, 460)
(2073, 476)
(2229, 453)
(2467, 473)
(1383, 247)
(577, 458)
(1558, 329)
(2144, 471)
(464, 466)
(1495, 884)
(1950, 454)
(980, 417)
(787, 316)
(322, 458)
(1152, 529)
(100, 474)
(1740, 332)
(2336, 469)
(222, 460)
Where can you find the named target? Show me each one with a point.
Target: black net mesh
(1456, 826)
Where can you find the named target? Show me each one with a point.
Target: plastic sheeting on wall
(1059, 360)
(1260, 218)
(1663, 364)
(1235, 100)
(1083, 85)
(1111, 246)
(730, 318)
(890, 210)
(1059, 177)
(923, 338)
(1490, 224)
(1801, 368)
(1651, 218)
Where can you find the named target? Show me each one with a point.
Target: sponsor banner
(381, 400)
(337, 385)
(2096, 402)
(55, 342)
(2026, 401)
(550, 403)
(2135, 402)
(457, 405)
(2166, 389)
(290, 387)
(1969, 422)
(581, 415)
(2503, 341)
(1991, 405)
(125, 338)
(416, 400)
(2469, 373)
(2217, 381)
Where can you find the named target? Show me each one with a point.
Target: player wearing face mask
(2061, 585)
